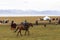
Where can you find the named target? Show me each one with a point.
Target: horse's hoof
(21, 35)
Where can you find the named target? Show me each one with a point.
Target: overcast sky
(39, 5)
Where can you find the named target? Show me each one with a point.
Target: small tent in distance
(46, 18)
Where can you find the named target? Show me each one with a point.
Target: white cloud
(30, 4)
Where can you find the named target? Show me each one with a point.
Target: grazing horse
(23, 27)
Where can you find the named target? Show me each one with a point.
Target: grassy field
(39, 32)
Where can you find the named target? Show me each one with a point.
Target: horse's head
(30, 24)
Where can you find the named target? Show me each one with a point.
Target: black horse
(23, 27)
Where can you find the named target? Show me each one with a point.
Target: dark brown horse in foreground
(13, 26)
(22, 27)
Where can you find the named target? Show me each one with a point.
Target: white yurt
(46, 18)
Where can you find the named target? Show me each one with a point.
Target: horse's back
(24, 27)
(20, 26)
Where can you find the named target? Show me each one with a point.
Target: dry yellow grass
(28, 18)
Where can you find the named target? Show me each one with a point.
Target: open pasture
(38, 32)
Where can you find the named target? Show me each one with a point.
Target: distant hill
(28, 13)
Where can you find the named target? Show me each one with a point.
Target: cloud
(40, 5)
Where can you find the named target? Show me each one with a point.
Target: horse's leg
(28, 32)
(20, 32)
(17, 29)
(25, 32)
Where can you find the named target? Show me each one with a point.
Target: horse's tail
(16, 29)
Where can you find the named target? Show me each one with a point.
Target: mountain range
(29, 13)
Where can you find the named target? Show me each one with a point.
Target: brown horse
(22, 27)
(13, 25)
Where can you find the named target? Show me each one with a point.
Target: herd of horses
(19, 27)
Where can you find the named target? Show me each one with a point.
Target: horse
(13, 25)
(21, 27)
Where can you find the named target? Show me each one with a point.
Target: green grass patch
(51, 32)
